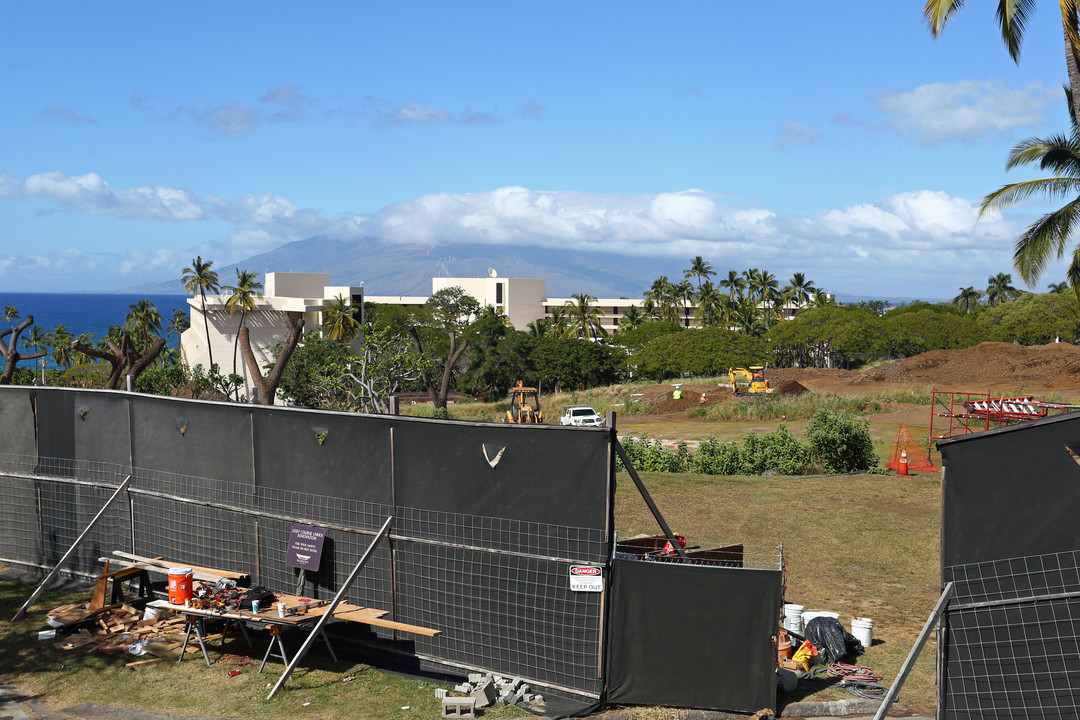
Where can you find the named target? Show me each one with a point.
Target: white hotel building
(307, 295)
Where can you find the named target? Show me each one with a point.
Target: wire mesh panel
(1012, 644)
(510, 614)
(21, 537)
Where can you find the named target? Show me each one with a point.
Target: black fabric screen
(543, 474)
(1011, 492)
(693, 636)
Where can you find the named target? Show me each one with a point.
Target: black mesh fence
(496, 586)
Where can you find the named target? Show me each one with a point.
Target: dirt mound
(997, 368)
(790, 387)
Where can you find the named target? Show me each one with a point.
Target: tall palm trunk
(1072, 63)
(236, 346)
(206, 325)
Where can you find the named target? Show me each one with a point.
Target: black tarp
(340, 454)
(692, 636)
(1010, 543)
(1011, 492)
(188, 437)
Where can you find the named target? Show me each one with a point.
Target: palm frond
(1044, 240)
(1015, 193)
(937, 13)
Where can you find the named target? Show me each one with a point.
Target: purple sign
(305, 547)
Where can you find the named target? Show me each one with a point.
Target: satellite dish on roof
(492, 273)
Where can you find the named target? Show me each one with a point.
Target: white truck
(580, 416)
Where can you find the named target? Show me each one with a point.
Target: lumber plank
(97, 601)
(160, 562)
(138, 663)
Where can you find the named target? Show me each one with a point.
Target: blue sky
(841, 141)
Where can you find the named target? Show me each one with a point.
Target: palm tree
(34, 339)
(538, 328)
(999, 289)
(556, 323)
(663, 298)
(244, 296)
(339, 320)
(60, 342)
(144, 321)
(583, 318)
(684, 296)
(178, 323)
(633, 318)
(822, 299)
(11, 315)
(734, 284)
(1012, 17)
(199, 278)
(968, 299)
(802, 289)
(115, 335)
(751, 277)
(700, 269)
(1048, 236)
(1058, 287)
(711, 303)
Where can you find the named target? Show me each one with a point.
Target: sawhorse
(275, 637)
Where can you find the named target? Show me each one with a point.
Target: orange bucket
(180, 580)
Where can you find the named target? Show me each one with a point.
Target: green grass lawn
(319, 688)
(862, 546)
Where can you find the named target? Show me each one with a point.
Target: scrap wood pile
(119, 629)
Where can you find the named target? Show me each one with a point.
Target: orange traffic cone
(901, 467)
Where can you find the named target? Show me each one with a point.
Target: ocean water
(85, 312)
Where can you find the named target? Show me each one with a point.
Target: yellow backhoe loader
(753, 377)
(524, 405)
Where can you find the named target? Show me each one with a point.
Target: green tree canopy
(1032, 319)
(706, 352)
(573, 363)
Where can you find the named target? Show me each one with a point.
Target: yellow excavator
(524, 405)
(754, 377)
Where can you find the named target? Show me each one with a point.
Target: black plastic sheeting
(693, 636)
(1010, 543)
(1011, 492)
(17, 422)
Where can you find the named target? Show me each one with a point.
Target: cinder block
(440, 692)
(476, 678)
(484, 694)
(459, 707)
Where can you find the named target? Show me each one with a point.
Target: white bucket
(863, 630)
(793, 617)
(151, 613)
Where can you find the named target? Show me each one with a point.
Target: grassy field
(862, 546)
(318, 689)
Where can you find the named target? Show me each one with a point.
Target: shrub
(649, 455)
(841, 442)
(716, 458)
(779, 450)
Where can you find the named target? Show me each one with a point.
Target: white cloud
(91, 194)
(794, 132)
(966, 110)
(901, 238)
(65, 115)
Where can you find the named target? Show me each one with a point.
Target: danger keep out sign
(586, 578)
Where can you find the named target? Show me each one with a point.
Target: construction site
(493, 554)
